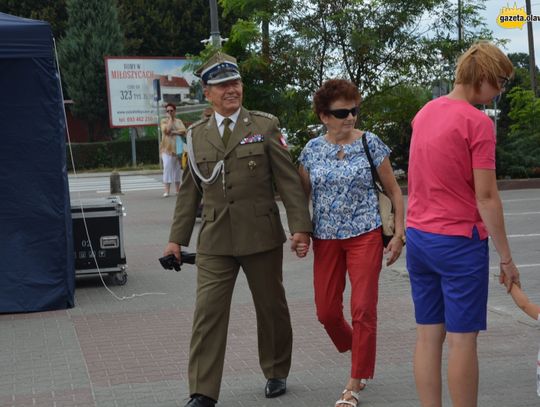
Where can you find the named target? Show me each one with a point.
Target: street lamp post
(532, 63)
(215, 37)
(460, 24)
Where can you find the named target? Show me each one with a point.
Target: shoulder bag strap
(374, 175)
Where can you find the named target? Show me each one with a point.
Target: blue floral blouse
(344, 200)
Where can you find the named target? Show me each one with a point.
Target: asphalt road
(100, 184)
(521, 208)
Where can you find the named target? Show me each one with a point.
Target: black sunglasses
(344, 113)
(169, 111)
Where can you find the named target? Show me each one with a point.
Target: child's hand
(523, 302)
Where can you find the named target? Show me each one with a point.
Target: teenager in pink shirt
(453, 206)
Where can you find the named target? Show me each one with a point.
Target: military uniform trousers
(215, 283)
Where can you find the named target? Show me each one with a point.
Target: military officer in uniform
(235, 157)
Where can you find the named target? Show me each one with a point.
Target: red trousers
(361, 256)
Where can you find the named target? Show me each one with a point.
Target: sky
(518, 37)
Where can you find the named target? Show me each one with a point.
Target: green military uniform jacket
(240, 215)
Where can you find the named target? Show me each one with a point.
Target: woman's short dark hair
(332, 90)
(171, 105)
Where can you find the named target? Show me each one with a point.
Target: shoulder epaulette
(263, 114)
(198, 123)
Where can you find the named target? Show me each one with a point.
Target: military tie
(226, 131)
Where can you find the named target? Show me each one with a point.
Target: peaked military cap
(218, 69)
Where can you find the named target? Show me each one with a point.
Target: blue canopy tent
(36, 245)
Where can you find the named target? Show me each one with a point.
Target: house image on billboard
(174, 89)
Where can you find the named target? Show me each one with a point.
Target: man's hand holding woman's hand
(300, 243)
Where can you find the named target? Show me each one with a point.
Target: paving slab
(134, 352)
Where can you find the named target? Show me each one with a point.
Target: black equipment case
(101, 241)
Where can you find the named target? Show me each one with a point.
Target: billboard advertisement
(130, 88)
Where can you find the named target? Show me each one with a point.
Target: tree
(507, 147)
(520, 79)
(151, 27)
(520, 60)
(167, 27)
(520, 155)
(367, 42)
(386, 47)
(93, 32)
(375, 44)
(389, 115)
(253, 13)
(52, 11)
(444, 48)
(370, 43)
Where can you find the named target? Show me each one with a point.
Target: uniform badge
(283, 141)
(257, 138)
(252, 164)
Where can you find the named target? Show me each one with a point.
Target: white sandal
(354, 394)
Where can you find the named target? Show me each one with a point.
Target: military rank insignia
(256, 138)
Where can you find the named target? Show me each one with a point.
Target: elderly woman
(170, 128)
(347, 237)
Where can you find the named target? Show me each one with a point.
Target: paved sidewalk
(110, 353)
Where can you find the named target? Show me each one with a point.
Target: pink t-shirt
(450, 137)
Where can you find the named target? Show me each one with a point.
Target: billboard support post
(133, 136)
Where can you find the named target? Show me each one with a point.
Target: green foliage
(519, 156)
(369, 43)
(112, 154)
(374, 44)
(382, 46)
(298, 118)
(151, 27)
(93, 33)
(443, 48)
(286, 49)
(52, 11)
(389, 114)
(258, 12)
(167, 27)
(244, 32)
(520, 79)
(525, 110)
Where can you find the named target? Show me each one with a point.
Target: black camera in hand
(170, 262)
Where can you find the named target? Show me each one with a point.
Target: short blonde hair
(483, 60)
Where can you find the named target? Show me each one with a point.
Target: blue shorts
(449, 279)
